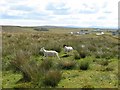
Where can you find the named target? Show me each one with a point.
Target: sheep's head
(41, 50)
(64, 45)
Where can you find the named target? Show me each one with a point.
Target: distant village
(85, 31)
(97, 32)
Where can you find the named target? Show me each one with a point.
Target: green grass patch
(9, 79)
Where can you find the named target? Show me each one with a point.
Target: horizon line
(66, 26)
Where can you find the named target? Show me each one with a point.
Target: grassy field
(93, 66)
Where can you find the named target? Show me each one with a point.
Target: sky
(73, 13)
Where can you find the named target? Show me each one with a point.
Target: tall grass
(38, 74)
(28, 68)
(76, 55)
(46, 65)
(52, 78)
(33, 42)
(84, 65)
(67, 64)
(18, 48)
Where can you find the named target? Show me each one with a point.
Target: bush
(104, 62)
(92, 48)
(65, 55)
(32, 73)
(76, 55)
(109, 69)
(28, 68)
(46, 65)
(41, 29)
(35, 49)
(57, 48)
(52, 78)
(53, 45)
(68, 64)
(84, 65)
(97, 55)
(82, 54)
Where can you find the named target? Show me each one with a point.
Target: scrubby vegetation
(93, 63)
(67, 64)
(41, 29)
(84, 65)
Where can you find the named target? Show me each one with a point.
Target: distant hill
(17, 29)
(66, 29)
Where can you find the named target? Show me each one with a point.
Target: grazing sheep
(49, 53)
(67, 48)
(71, 32)
(82, 46)
(100, 33)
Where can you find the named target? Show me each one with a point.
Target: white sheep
(49, 53)
(71, 32)
(67, 48)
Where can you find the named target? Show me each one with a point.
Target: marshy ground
(92, 66)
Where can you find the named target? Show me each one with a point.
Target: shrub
(41, 29)
(65, 55)
(46, 65)
(104, 62)
(109, 69)
(76, 55)
(52, 78)
(97, 55)
(57, 48)
(8, 35)
(106, 55)
(35, 49)
(53, 46)
(84, 65)
(68, 64)
(92, 48)
(82, 53)
(28, 68)
(32, 73)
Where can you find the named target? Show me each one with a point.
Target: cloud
(5, 16)
(21, 8)
(38, 16)
(102, 18)
(60, 12)
(89, 9)
(58, 9)
(107, 12)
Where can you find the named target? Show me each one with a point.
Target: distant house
(97, 30)
(100, 33)
(117, 32)
(84, 32)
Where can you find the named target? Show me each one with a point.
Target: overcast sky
(79, 13)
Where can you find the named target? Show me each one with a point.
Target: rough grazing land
(93, 66)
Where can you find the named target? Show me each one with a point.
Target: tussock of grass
(29, 69)
(84, 65)
(52, 78)
(67, 64)
(76, 55)
(37, 74)
(103, 62)
(46, 65)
